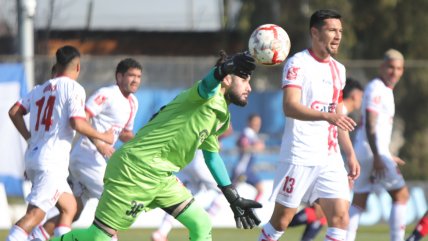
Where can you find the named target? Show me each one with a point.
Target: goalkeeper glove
(240, 64)
(242, 208)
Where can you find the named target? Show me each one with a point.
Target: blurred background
(177, 42)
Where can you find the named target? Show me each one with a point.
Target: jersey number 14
(45, 118)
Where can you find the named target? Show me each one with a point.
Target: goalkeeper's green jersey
(169, 141)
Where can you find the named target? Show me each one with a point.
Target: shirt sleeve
(210, 144)
(25, 101)
(217, 168)
(76, 101)
(209, 85)
(96, 102)
(374, 100)
(292, 74)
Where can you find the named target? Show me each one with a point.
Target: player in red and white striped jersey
(311, 168)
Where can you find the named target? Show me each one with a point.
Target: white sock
(335, 234)
(269, 233)
(354, 219)
(39, 232)
(16, 233)
(397, 222)
(61, 230)
(166, 225)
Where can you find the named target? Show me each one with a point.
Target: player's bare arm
(105, 149)
(294, 109)
(84, 128)
(16, 114)
(378, 165)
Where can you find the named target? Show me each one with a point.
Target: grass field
(365, 233)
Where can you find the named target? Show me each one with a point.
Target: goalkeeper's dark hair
(222, 58)
(65, 55)
(318, 17)
(351, 84)
(128, 63)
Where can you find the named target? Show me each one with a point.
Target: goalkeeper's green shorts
(128, 191)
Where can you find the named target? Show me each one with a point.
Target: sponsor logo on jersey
(100, 99)
(203, 135)
(292, 72)
(323, 107)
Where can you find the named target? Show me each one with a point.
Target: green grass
(376, 232)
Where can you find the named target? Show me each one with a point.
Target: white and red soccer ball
(269, 44)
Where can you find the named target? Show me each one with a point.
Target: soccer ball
(269, 44)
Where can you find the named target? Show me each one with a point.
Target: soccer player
(139, 175)
(56, 110)
(249, 144)
(311, 168)
(312, 216)
(379, 166)
(113, 106)
(421, 229)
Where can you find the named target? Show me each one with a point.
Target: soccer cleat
(157, 236)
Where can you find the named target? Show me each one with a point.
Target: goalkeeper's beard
(234, 98)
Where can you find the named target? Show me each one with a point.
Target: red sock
(310, 215)
(422, 226)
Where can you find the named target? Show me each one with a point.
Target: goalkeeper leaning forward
(139, 176)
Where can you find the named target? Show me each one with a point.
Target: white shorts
(196, 176)
(296, 184)
(87, 181)
(47, 187)
(367, 182)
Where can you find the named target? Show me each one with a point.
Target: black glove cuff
(218, 74)
(230, 193)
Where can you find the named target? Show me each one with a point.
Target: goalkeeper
(139, 176)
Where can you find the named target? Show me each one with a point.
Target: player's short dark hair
(65, 55)
(128, 63)
(351, 84)
(318, 17)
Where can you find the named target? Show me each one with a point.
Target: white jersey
(108, 108)
(321, 82)
(377, 98)
(51, 105)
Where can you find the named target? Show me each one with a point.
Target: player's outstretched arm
(240, 64)
(84, 128)
(242, 208)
